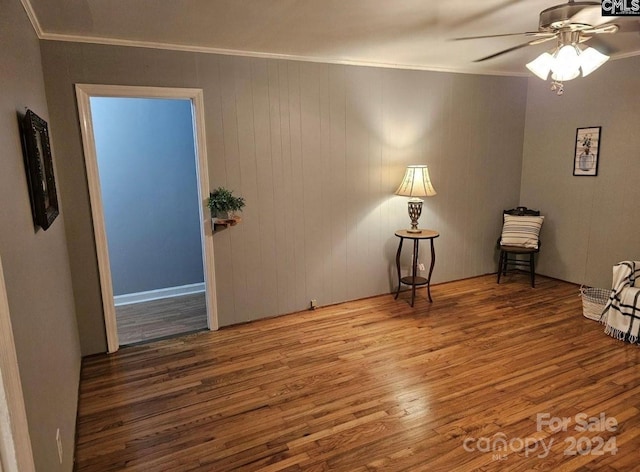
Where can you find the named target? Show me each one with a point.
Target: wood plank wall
(317, 150)
(591, 223)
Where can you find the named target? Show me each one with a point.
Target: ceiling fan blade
(628, 25)
(590, 15)
(608, 28)
(622, 25)
(542, 40)
(504, 51)
(519, 46)
(527, 33)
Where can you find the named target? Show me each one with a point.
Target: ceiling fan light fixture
(590, 60)
(566, 63)
(541, 65)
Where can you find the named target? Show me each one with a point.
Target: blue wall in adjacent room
(146, 159)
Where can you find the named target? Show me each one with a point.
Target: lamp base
(415, 209)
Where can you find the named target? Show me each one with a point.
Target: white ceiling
(414, 34)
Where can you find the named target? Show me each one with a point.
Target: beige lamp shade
(416, 183)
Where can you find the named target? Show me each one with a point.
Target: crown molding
(264, 55)
(26, 4)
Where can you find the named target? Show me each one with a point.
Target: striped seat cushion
(521, 231)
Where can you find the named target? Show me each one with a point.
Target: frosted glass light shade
(416, 182)
(541, 65)
(566, 63)
(590, 60)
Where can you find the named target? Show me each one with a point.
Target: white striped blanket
(621, 315)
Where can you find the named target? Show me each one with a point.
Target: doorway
(153, 241)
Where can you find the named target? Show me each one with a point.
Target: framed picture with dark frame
(587, 151)
(39, 166)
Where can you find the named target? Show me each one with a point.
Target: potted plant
(223, 204)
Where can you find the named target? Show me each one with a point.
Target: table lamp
(416, 183)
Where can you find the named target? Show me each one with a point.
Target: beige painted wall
(591, 223)
(36, 265)
(317, 150)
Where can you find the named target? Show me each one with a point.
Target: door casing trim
(83, 94)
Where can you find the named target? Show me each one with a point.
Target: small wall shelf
(220, 224)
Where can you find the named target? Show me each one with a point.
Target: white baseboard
(139, 297)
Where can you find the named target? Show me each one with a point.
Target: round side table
(414, 280)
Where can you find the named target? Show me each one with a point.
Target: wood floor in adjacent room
(155, 319)
(375, 385)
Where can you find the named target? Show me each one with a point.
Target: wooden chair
(512, 254)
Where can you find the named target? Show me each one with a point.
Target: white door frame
(15, 444)
(83, 93)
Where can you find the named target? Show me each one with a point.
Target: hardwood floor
(374, 385)
(155, 319)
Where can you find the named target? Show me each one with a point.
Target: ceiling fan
(572, 22)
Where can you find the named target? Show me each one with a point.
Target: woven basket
(593, 301)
